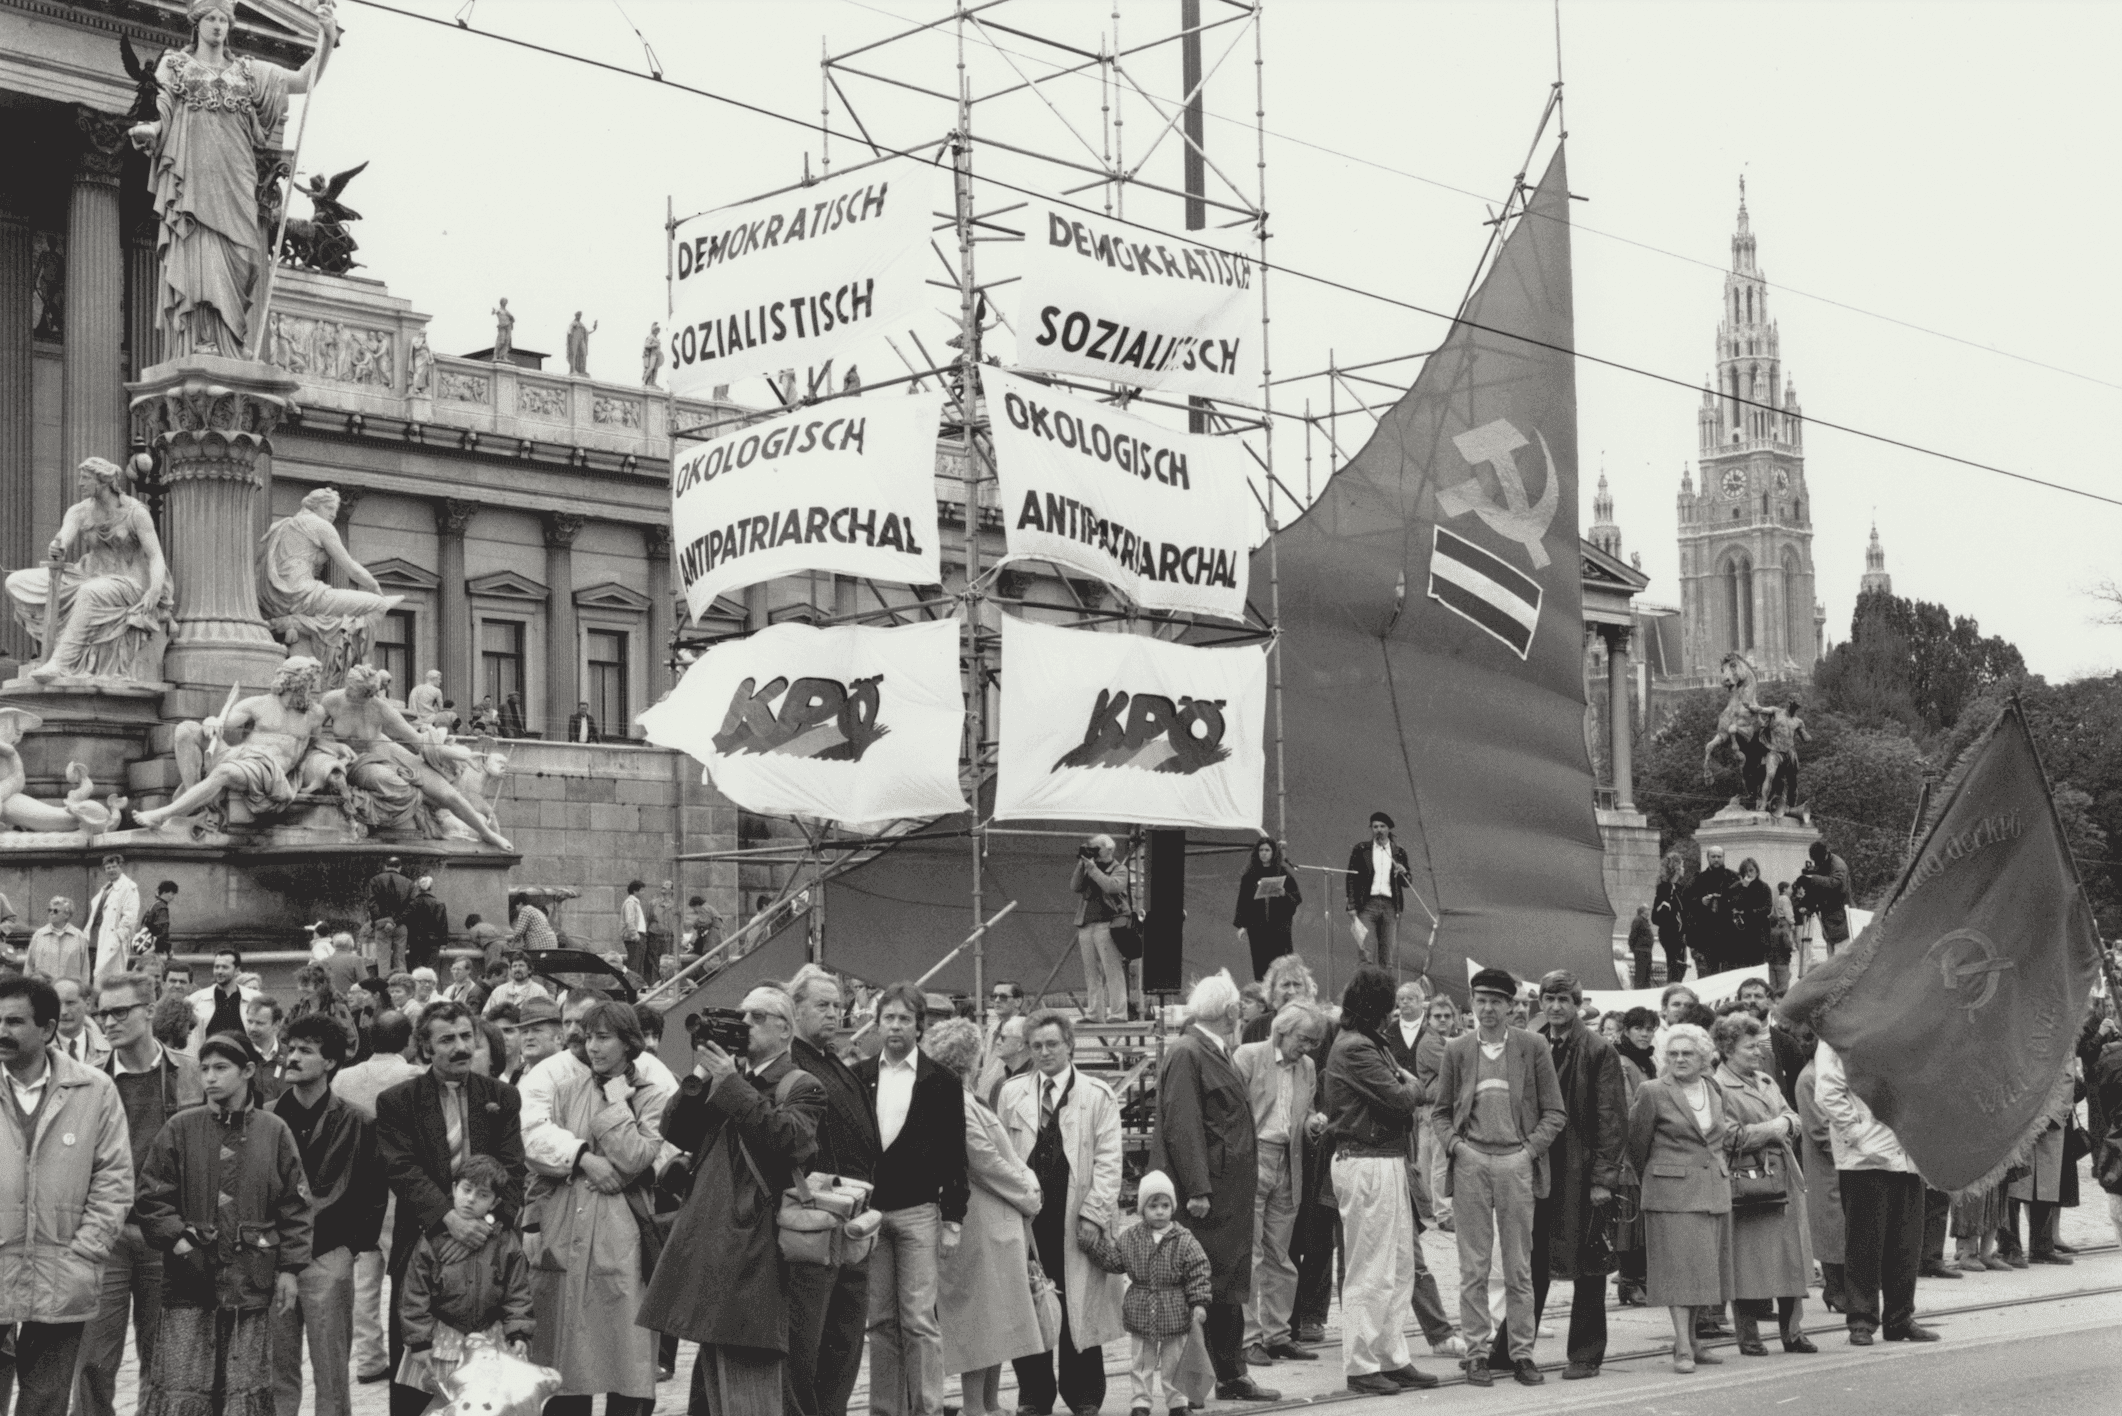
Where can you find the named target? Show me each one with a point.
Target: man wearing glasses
(58, 950)
(153, 1085)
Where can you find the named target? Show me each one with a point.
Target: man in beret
(1498, 1109)
(1377, 879)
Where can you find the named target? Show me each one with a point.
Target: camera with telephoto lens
(726, 1028)
(1087, 852)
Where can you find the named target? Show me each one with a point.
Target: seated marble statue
(255, 750)
(24, 813)
(395, 776)
(116, 600)
(307, 614)
(425, 701)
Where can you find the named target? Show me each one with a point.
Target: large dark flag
(1957, 1008)
(1433, 642)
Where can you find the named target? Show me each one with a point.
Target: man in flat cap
(1377, 881)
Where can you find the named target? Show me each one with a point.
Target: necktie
(1046, 1101)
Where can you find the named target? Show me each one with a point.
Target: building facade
(1746, 559)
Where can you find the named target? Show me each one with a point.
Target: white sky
(1936, 164)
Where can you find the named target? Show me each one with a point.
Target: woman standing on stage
(1267, 901)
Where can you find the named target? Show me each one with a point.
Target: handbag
(1046, 1302)
(1126, 929)
(1757, 1179)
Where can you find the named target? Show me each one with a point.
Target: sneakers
(1453, 1346)
(1374, 1384)
(1477, 1372)
(1524, 1373)
(1408, 1379)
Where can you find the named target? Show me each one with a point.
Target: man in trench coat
(1205, 1143)
(749, 1125)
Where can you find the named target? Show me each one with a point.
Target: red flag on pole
(1957, 1009)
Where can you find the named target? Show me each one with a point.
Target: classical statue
(323, 242)
(215, 111)
(420, 368)
(578, 346)
(80, 813)
(652, 356)
(1738, 728)
(504, 332)
(116, 602)
(395, 777)
(255, 749)
(1784, 730)
(312, 618)
(425, 700)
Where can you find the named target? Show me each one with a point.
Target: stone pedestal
(105, 728)
(1777, 843)
(210, 419)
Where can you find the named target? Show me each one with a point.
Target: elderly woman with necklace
(1772, 1254)
(1677, 1133)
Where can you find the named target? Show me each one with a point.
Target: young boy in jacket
(1168, 1290)
(451, 1295)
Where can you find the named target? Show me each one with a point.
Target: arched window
(1797, 607)
(1739, 601)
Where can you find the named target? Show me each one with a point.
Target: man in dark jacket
(389, 892)
(426, 925)
(1822, 889)
(338, 1149)
(1377, 881)
(1705, 905)
(1371, 1107)
(1584, 1169)
(426, 1128)
(750, 1128)
(922, 1191)
(1204, 1141)
(828, 1307)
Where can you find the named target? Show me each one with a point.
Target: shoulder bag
(822, 1219)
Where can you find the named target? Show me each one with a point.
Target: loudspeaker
(1164, 921)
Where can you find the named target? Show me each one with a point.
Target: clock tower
(1746, 539)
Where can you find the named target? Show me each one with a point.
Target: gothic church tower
(1746, 554)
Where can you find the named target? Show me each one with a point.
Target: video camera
(726, 1028)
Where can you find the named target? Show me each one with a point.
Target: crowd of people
(388, 1175)
(1721, 919)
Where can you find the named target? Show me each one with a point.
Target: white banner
(785, 281)
(1104, 300)
(1118, 727)
(1162, 516)
(849, 487)
(849, 724)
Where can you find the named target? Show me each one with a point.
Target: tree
(1912, 662)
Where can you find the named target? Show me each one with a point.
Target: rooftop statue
(578, 346)
(214, 112)
(652, 356)
(307, 614)
(323, 242)
(504, 332)
(116, 602)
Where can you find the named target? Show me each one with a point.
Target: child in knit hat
(1167, 1292)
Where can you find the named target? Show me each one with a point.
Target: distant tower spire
(1875, 576)
(1605, 534)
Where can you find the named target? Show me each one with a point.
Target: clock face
(1782, 481)
(1735, 484)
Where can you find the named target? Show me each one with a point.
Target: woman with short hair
(1772, 1256)
(983, 1296)
(1677, 1129)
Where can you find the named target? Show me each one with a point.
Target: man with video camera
(750, 1126)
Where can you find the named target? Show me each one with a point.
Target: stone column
(658, 538)
(19, 535)
(210, 420)
(453, 627)
(562, 654)
(92, 419)
(143, 334)
(1618, 716)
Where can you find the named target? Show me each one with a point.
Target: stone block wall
(592, 817)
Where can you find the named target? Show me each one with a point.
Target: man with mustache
(426, 1129)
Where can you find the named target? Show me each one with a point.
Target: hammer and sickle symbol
(1968, 961)
(1521, 521)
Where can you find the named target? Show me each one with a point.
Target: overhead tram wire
(1324, 282)
(1443, 186)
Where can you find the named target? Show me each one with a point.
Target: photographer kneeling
(750, 1126)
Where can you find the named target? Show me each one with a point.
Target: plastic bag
(491, 1382)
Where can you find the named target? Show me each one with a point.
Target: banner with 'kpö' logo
(1117, 727)
(851, 724)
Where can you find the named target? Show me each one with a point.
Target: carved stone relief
(541, 401)
(330, 351)
(466, 388)
(623, 412)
